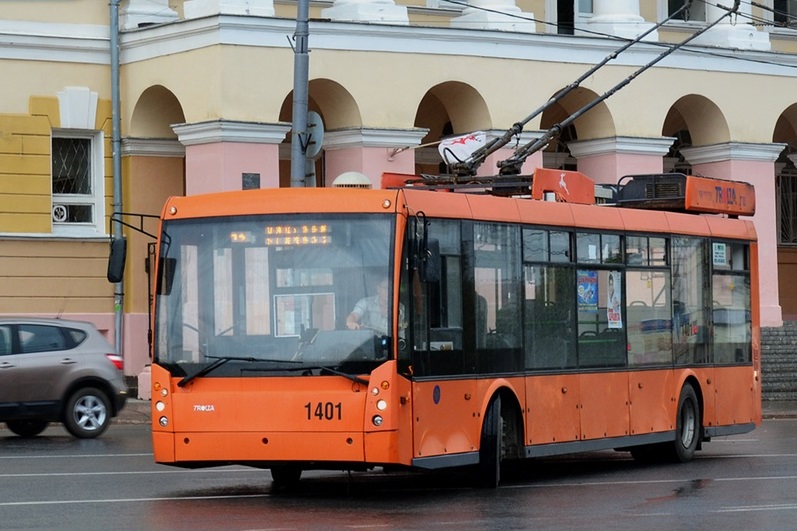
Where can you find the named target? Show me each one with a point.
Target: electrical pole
(301, 61)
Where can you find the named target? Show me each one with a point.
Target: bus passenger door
(445, 410)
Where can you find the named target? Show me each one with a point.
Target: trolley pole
(301, 61)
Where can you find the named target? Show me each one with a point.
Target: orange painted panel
(493, 208)
(447, 417)
(604, 405)
(568, 186)
(597, 217)
(438, 204)
(731, 228)
(719, 196)
(282, 201)
(545, 213)
(553, 409)
(643, 220)
(267, 446)
(654, 399)
(735, 395)
(317, 404)
(687, 223)
(163, 446)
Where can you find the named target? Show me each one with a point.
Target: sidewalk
(139, 411)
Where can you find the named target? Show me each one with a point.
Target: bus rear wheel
(489, 468)
(687, 426)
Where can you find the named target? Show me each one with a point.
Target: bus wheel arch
(502, 436)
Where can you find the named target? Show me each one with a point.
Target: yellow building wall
(42, 274)
(54, 276)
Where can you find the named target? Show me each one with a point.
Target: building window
(77, 183)
(695, 13)
(787, 205)
(570, 14)
(784, 13)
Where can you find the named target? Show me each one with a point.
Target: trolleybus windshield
(270, 295)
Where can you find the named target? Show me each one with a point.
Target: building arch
(339, 112)
(595, 123)
(446, 109)
(693, 120)
(154, 112)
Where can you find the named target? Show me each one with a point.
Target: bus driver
(371, 312)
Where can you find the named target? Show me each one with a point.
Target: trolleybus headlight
(377, 420)
(160, 406)
(381, 405)
(375, 391)
(163, 421)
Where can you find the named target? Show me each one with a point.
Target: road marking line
(127, 473)
(129, 500)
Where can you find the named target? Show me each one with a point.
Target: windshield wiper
(221, 360)
(352, 377)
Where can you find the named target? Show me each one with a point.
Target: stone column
(374, 11)
(502, 15)
(755, 164)
(226, 155)
(619, 18)
(734, 31)
(136, 13)
(204, 8)
(370, 152)
(605, 160)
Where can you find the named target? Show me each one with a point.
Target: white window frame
(96, 199)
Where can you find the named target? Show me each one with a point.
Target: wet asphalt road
(57, 482)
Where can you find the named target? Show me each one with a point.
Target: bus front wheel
(286, 476)
(489, 468)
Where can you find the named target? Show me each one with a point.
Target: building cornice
(152, 147)
(732, 151)
(387, 138)
(78, 43)
(216, 131)
(47, 41)
(621, 145)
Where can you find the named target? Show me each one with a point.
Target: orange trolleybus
(429, 324)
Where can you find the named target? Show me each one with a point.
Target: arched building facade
(206, 101)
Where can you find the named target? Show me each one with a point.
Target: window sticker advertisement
(614, 296)
(588, 291)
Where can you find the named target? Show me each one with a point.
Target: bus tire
(687, 426)
(285, 476)
(489, 468)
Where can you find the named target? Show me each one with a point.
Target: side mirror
(116, 260)
(430, 262)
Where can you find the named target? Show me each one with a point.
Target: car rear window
(75, 336)
(41, 338)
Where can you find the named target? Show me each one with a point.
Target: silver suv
(53, 370)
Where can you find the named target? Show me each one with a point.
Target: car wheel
(88, 413)
(27, 428)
